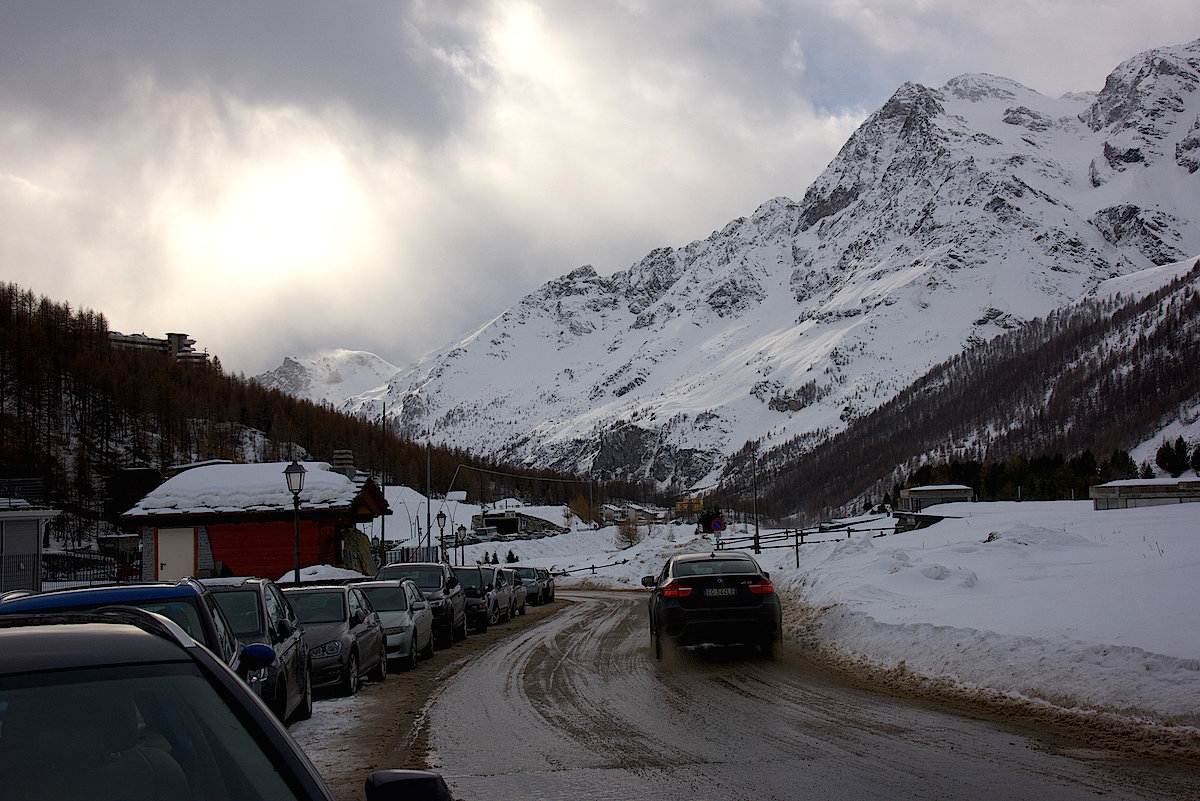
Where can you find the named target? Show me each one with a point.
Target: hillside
(950, 217)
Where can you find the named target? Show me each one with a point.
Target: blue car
(187, 602)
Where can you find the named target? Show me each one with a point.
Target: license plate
(712, 592)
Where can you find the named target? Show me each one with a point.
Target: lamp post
(441, 518)
(461, 541)
(294, 473)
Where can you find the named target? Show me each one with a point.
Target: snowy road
(577, 707)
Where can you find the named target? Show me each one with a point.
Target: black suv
(721, 597)
(122, 704)
(441, 588)
(260, 613)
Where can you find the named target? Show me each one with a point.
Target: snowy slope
(951, 215)
(333, 377)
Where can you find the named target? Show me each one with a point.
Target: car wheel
(381, 670)
(493, 616)
(351, 677)
(522, 609)
(428, 652)
(304, 711)
(460, 633)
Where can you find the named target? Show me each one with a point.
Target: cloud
(388, 176)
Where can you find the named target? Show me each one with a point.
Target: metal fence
(794, 538)
(60, 570)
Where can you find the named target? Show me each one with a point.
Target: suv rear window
(712, 567)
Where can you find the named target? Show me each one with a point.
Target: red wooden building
(239, 519)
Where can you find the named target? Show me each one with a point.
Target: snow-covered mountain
(949, 216)
(333, 377)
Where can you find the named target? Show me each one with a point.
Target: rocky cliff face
(949, 216)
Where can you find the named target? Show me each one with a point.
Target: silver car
(406, 617)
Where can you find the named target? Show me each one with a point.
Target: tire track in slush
(577, 707)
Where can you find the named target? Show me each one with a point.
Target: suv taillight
(676, 590)
(763, 587)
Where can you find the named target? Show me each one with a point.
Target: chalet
(239, 519)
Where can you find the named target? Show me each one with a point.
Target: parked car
(519, 590)
(440, 586)
(535, 585)
(344, 635)
(406, 616)
(482, 608)
(548, 578)
(720, 597)
(124, 704)
(502, 588)
(260, 613)
(187, 602)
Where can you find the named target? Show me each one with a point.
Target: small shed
(239, 519)
(1129, 493)
(914, 499)
(21, 526)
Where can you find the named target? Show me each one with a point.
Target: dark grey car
(260, 613)
(344, 635)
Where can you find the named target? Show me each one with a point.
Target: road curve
(578, 708)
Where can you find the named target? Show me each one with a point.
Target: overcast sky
(280, 178)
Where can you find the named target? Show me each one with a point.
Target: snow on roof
(1149, 482)
(225, 488)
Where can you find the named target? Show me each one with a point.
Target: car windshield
(711, 567)
(318, 607)
(468, 577)
(182, 612)
(242, 609)
(526, 572)
(386, 599)
(164, 719)
(425, 577)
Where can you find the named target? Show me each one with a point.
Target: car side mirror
(452, 582)
(648, 581)
(257, 656)
(284, 629)
(357, 618)
(419, 605)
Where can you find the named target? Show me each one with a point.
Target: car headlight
(328, 649)
(396, 630)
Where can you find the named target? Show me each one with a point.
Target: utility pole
(757, 549)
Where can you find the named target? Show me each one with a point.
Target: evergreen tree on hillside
(1173, 458)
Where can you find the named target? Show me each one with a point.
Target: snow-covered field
(1052, 602)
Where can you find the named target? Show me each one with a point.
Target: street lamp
(294, 473)
(441, 518)
(461, 541)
